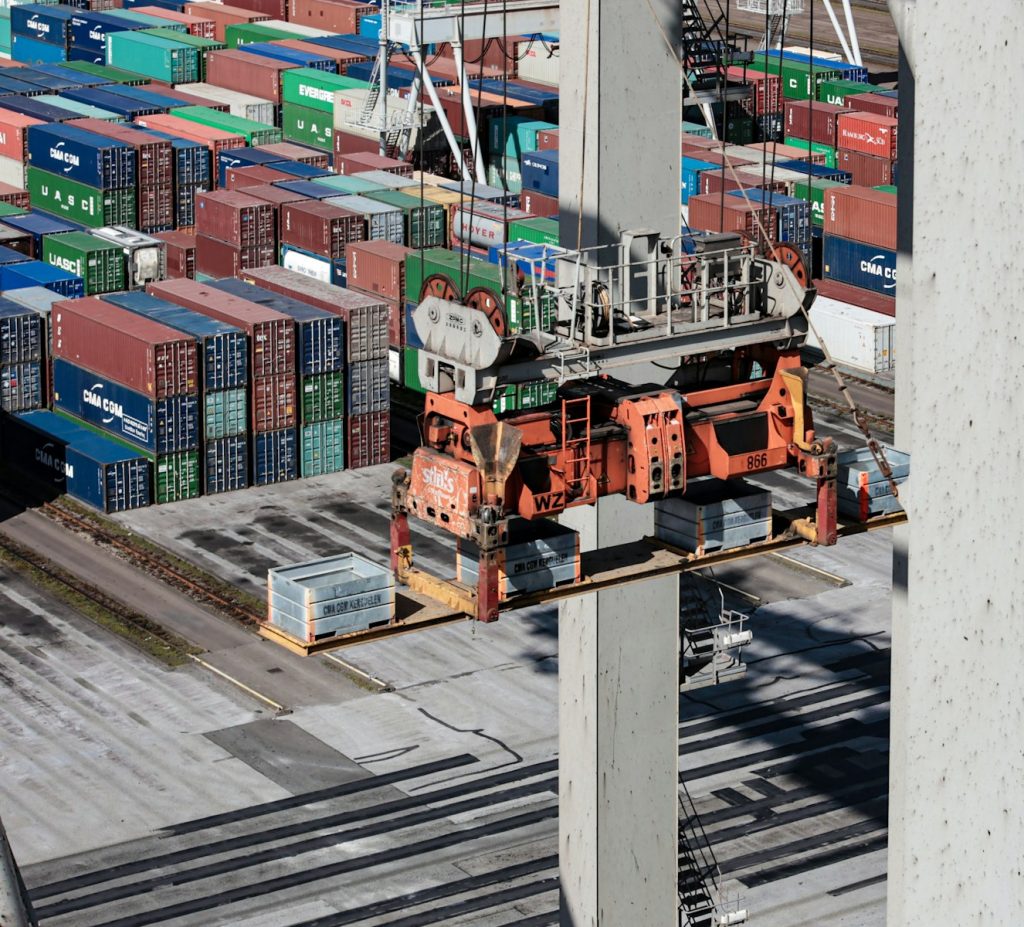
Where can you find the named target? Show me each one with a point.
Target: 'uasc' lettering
(436, 478)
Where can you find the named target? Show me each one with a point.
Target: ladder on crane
(576, 446)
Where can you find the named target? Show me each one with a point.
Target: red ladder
(576, 450)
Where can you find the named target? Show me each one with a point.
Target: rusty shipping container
(816, 121)
(292, 152)
(366, 317)
(340, 16)
(155, 208)
(238, 70)
(867, 170)
(155, 155)
(321, 227)
(132, 350)
(861, 214)
(274, 402)
(342, 59)
(359, 163)
(369, 440)
(271, 334)
(14, 134)
(275, 9)
(276, 197)
(181, 254)
(223, 16)
(252, 175)
(875, 103)
(716, 182)
(718, 214)
(14, 196)
(537, 204)
(378, 267)
(217, 258)
(236, 218)
(870, 134)
(215, 139)
(547, 140)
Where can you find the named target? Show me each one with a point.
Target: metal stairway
(699, 875)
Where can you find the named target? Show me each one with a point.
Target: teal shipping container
(323, 447)
(153, 56)
(225, 413)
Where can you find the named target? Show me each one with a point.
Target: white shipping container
(854, 337)
(243, 105)
(296, 28)
(307, 264)
(395, 365)
(484, 232)
(12, 172)
(540, 64)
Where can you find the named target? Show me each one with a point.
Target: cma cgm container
(151, 358)
(366, 318)
(223, 348)
(271, 334)
(154, 157)
(320, 335)
(235, 217)
(161, 426)
(87, 205)
(858, 264)
(99, 471)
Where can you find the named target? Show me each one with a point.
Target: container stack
(223, 352)
(319, 233)
(272, 384)
(235, 232)
(135, 379)
(101, 264)
(22, 358)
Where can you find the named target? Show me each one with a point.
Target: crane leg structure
(15, 909)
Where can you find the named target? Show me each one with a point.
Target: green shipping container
(323, 447)
(522, 312)
(175, 476)
(697, 128)
(817, 147)
(796, 76)
(505, 174)
(411, 370)
(740, 130)
(815, 192)
(315, 89)
(537, 393)
(506, 399)
(100, 264)
(6, 209)
(539, 231)
(466, 273)
(887, 188)
(322, 397)
(836, 92)
(307, 126)
(346, 184)
(86, 205)
(236, 34)
(426, 224)
(163, 59)
(114, 75)
(255, 133)
(225, 413)
(201, 45)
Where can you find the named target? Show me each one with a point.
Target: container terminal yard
(410, 515)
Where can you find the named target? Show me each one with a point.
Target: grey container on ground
(862, 490)
(714, 515)
(368, 386)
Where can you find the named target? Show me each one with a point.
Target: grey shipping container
(862, 490)
(383, 222)
(368, 386)
(21, 386)
(21, 333)
(226, 464)
(714, 515)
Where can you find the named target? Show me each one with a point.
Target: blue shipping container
(275, 457)
(290, 55)
(163, 426)
(398, 77)
(359, 44)
(33, 51)
(691, 171)
(10, 256)
(854, 72)
(92, 159)
(21, 333)
(38, 224)
(820, 171)
(99, 471)
(11, 85)
(320, 336)
(226, 464)
(224, 348)
(74, 78)
(49, 24)
(45, 112)
(866, 266)
(242, 157)
(36, 273)
(306, 188)
(49, 82)
(86, 54)
(301, 169)
(122, 106)
(540, 172)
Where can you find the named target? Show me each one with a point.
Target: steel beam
(412, 26)
(956, 809)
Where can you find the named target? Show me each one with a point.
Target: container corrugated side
(275, 457)
(854, 337)
(369, 439)
(226, 464)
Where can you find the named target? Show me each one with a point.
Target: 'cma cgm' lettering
(47, 459)
(101, 402)
(879, 270)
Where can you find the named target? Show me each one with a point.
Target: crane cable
(859, 418)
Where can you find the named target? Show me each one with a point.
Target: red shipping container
(223, 15)
(181, 254)
(155, 155)
(869, 133)
(273, 402)
(547, 140)
(271, 334)
(396, 323)
(767, 90)
(866, 299)
(346, 143)
(202, 27)
(537, 204)
(369, 440)
(732, 214)
(338, 16)
(289, 151)
(816, 121)
(874, 103)
(862, 214)
(217, 258)
(699, 142)
(322, 228)
(342, 59)
(215, 139)
(275, 9)
(156, 210)
(12, 134)
(378, 267)
(716, 181)
(252, 175)
(276, 197)
(133, 350)
(779, 152)
(14, 195)
(867, 170)
(713, 157)
(356, 163)
(233, 217)
(238, 70)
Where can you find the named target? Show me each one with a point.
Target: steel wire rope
(877, 451)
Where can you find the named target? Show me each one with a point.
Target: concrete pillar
(618, 682)
(15, 910)
(956, 829)
(620, 117)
